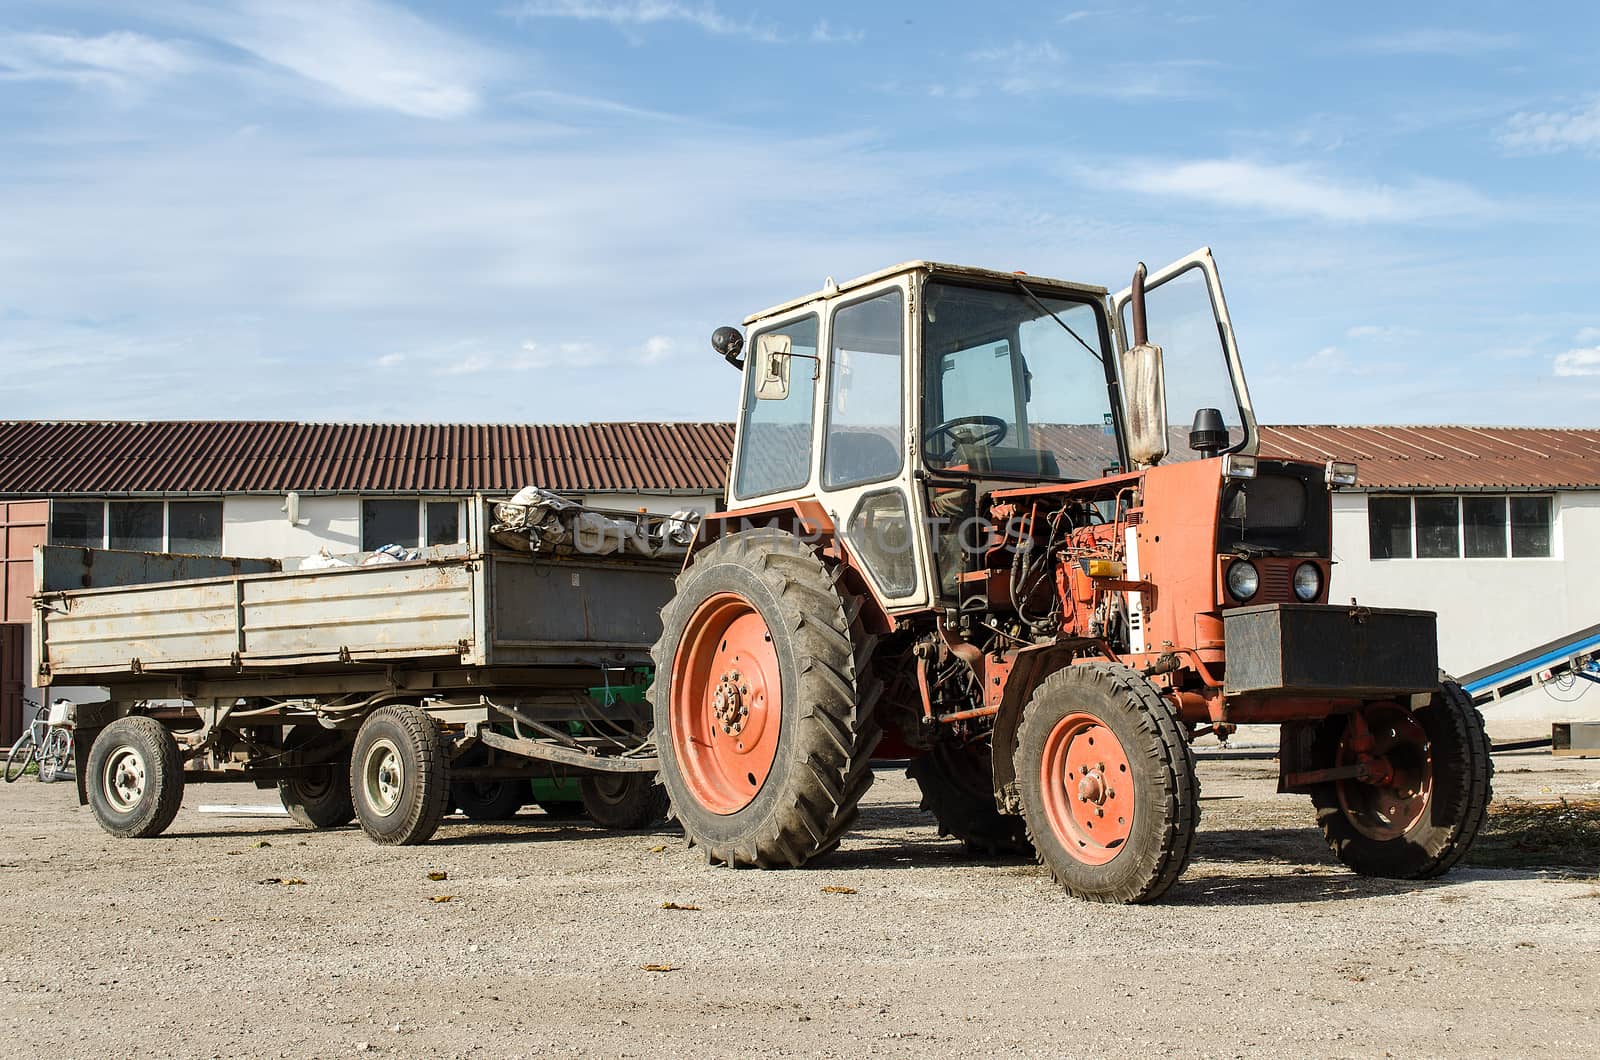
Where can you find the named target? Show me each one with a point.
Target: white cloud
(1589, 335)
(1293, 191)
(823, 33)
(1379, 332)
(635, 13)
(1579, 362)
(1531, 132)
(119, 60)
(391, 360)
(658, 348)
(369, 53)
(1458, 42)
(1039, 67)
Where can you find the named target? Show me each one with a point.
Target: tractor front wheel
(1417, 818)
(1108, 784)
(764, 739)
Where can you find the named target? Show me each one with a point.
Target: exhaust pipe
(1141, 334)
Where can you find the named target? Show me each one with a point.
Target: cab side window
(865, 436)
(775, 442)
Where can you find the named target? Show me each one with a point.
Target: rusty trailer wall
(462, 609)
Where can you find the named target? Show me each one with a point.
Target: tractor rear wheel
(1108, 784)
(958, 789)
(1421, 819)
(764, 738)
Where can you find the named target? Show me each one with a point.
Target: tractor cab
(899, 401)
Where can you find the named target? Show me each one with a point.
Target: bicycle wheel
(55, 756)
(22, 753)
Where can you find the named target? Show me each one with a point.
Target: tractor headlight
(1307, 581)
(1243, 580)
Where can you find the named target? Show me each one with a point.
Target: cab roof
(935, 269)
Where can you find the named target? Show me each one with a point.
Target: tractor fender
(1029, 667)
(803, 518)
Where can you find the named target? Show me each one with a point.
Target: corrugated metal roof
(63, 458)
(1412, 457)
(42, 458)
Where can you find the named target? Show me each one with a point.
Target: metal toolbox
(1326, 650)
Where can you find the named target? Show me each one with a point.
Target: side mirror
(772, 366)
(1144, 391)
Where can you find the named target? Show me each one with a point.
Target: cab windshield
(1012, 391)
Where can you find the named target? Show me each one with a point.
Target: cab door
(1188, 318)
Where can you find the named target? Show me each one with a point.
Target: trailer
(384, 692)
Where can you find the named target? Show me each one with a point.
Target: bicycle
(47, 740)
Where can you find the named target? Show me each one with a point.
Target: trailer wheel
(135, 778)
(399, 775)
(1421, 821)
(958, 789)
(320, 801)
(763, 733)
(1108, 784)
(624, 800)
(487, 800)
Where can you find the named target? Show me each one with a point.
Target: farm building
(1495, 528)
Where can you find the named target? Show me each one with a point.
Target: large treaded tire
(1166, 792)
(400, 742)
(822, 762)
(624, 800)
(958, 789)
(323, 801)
(135, 747)
(1458, 804)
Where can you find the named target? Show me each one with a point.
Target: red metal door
(23, 524)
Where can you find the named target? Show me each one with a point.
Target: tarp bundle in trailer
(537, 520)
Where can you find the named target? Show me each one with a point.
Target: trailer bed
(481, 608)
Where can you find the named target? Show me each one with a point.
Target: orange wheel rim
(726, 703)
(1088, 788)
(1391, 809)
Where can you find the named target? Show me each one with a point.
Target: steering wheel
(993, 433)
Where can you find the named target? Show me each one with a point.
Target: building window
(443, 522)
(135, 526)
(194, 528)
(409, 522)
(1472, 526)
(79, 524)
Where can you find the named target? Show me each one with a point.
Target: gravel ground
(186, 946)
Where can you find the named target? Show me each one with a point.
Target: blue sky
(538, 210)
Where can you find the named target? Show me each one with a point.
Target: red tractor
(956, 534)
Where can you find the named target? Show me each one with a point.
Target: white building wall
(1488, 608)
(259, 527)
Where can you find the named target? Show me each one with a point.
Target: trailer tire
(1435, 827)
(487, 800)
(624, 801)
(958, 789)
(1123, 829)
(399, 775)
(758, 613)
(135, 778)
(322, 801)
